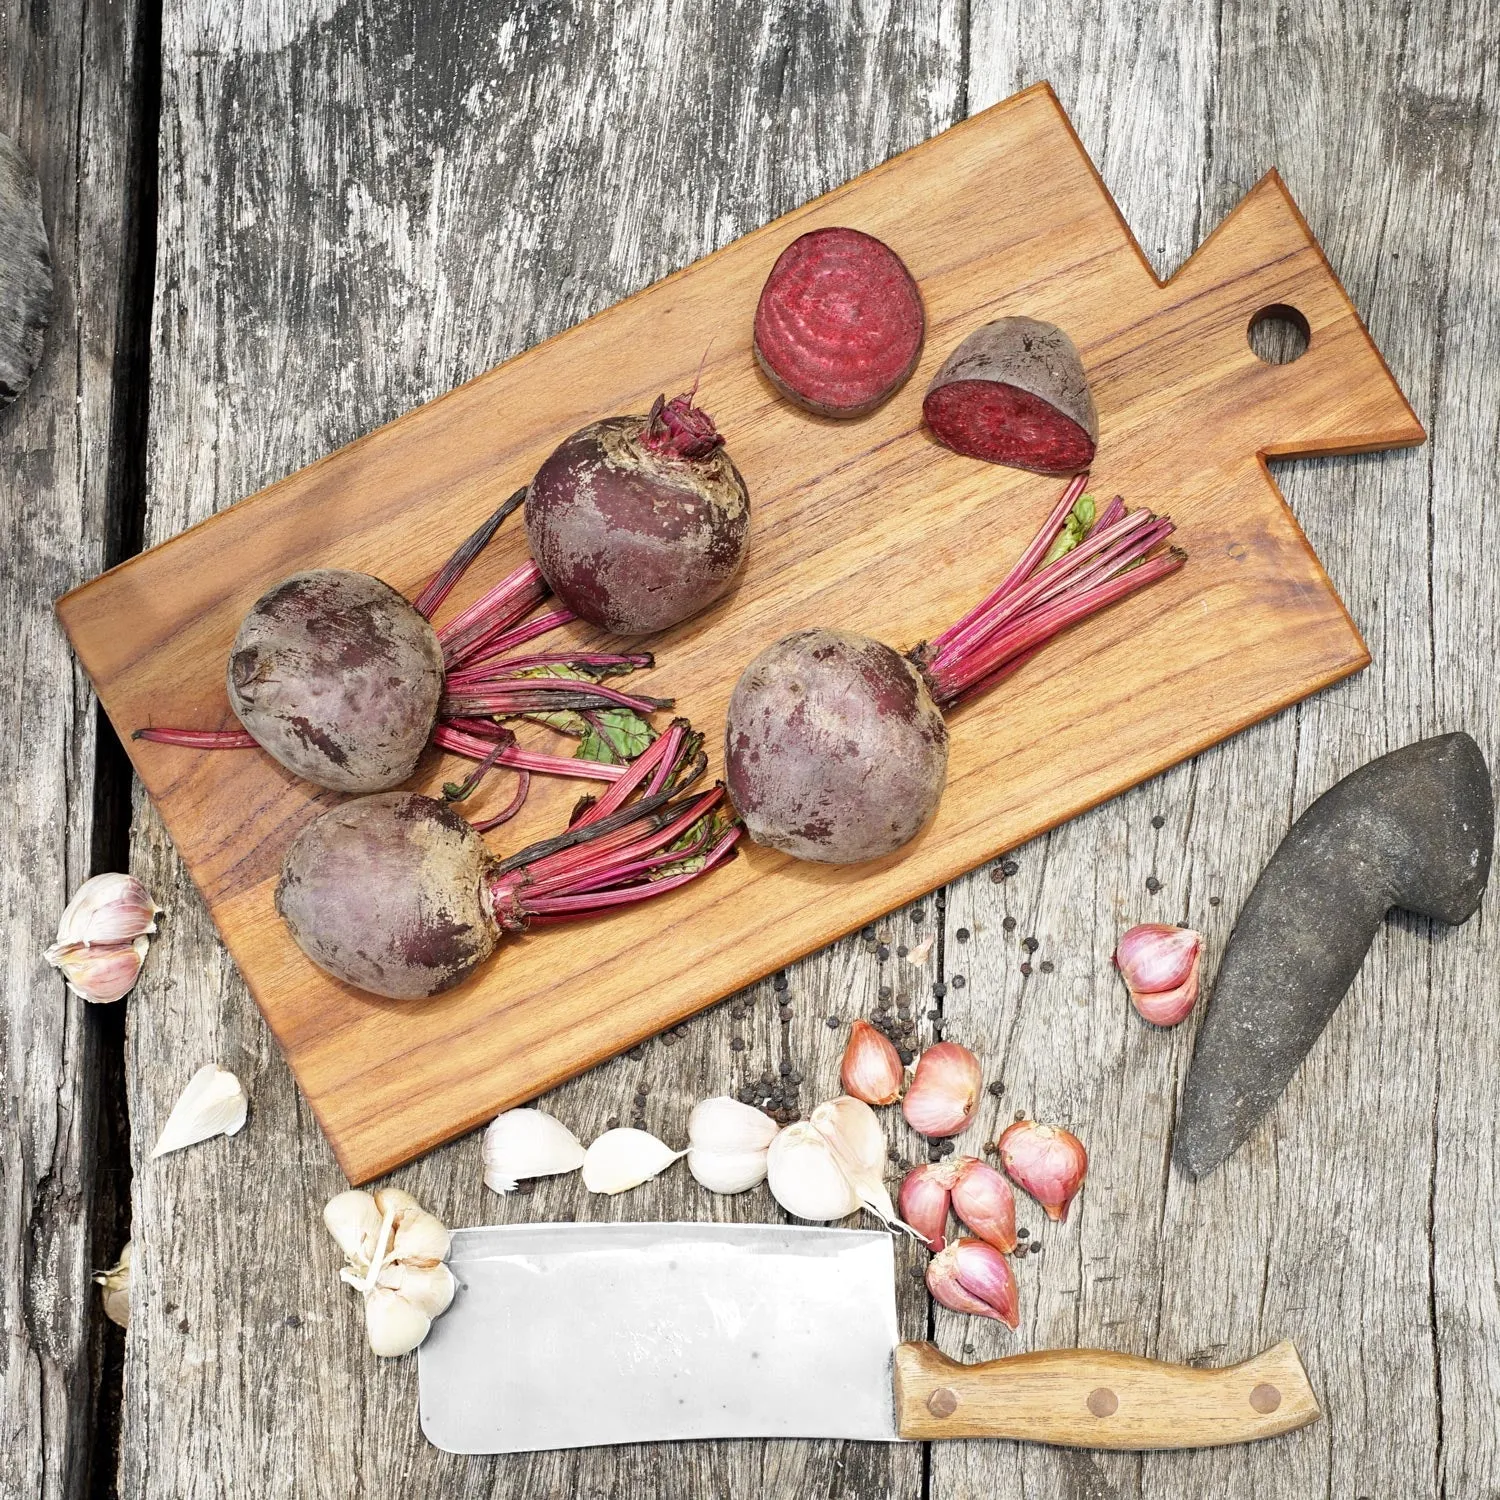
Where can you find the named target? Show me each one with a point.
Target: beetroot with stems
(638, 522)
(1014, 393)
(840, 323)
(835, 744)
(397, 894)
(344, 682)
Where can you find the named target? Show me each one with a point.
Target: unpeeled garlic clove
(108, 908)
(970, 1276)
(114, 1286)
(852, 1130)
(944, 1091)
(1160, 965)
(727, 1171)
(393, 1325)
(354, 1222)
(428, 1288)
(526, 1143)
(99, 974)
(213, 1103)
(925, 1194)
(625, 1158)
(726, 1125)
(805, 1178)
(1046, 1161)
(983, 1200)
(872, 1069)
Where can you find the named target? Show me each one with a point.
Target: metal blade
(571, 1335)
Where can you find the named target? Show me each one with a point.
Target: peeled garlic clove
(625, 1158)
(727, 1171)
(354, 1222)
(212, 1104)
(108, 909)
(428, 1288)
(1046, 1161)
(527, 1143)
(1153, 957)
(101, 975)
(983, 1200)
(872, 1069)
(970, 1276)
(725, 1125)
(804, 1177)
(394, 1325)
(115, 1286)
(944, 1091)
(925, 1194)
(852, 1130)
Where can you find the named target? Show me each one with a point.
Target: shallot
(944, 1090)
(1046, 1161)
(1159, 965)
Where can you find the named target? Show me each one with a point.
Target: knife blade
(577, 1335)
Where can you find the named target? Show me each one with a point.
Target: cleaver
(572, 1335)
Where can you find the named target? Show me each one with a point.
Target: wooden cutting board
(868, 525)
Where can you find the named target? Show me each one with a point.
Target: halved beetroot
(1014, 393)
(839, 325)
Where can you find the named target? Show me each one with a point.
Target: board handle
(1095, 1398)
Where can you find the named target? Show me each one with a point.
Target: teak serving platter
(868, 525)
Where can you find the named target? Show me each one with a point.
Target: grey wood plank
(358, 211)
(1356, 1219)
(68, 99)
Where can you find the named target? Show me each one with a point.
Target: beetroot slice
(1014, 393)
(839, 325)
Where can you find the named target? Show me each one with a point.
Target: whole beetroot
(835, 743)
(338, 677)
(1014, 393)
(835, 750)
(638, 522)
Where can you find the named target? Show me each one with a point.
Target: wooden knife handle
(1093, 1398)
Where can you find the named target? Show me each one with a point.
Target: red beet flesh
(1014, 393)
(638, 523)
(835, 750)
(840, 323)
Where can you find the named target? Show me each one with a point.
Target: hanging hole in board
(1279, 334)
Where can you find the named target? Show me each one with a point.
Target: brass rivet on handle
(942, 1402)
(1265, 1398)
(1103, 1402)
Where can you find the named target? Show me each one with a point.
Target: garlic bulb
(805, 1178)
(625, 1158)
(114, 1285)
(213, 1103)
(727, 1144)
(526, 1143)
(395, 1252)
(852, 1130)
(102, 937)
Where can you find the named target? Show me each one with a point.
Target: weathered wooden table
(288, 222)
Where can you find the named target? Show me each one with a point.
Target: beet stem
(487, 648)
(509, 602)
(523, 788)
(461, 741)
(199, 739)
(440, 585)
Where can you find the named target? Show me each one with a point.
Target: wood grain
(850, 521)
(67, 99)
(1098, 1398)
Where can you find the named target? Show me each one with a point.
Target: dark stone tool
(25, 272)
(1414, 829)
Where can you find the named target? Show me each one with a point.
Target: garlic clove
(354, 1222)
(1046, 1161)
(624, 1158)
(99, 974)
(420, 1238)
(213, 1103)
(527, 1143)
(726, 1125)
(852, 1130)
(428, 1288)
(389, 1199)
(1169, 1007)
(394, 1325)
(804, 1177)
(1153, 957)
(872, 1069)
(727, 1171)
(925, 1193)
(983, 1200)
(970, 1276)
(944, 1092)
(108, 908)
(114, 1286)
